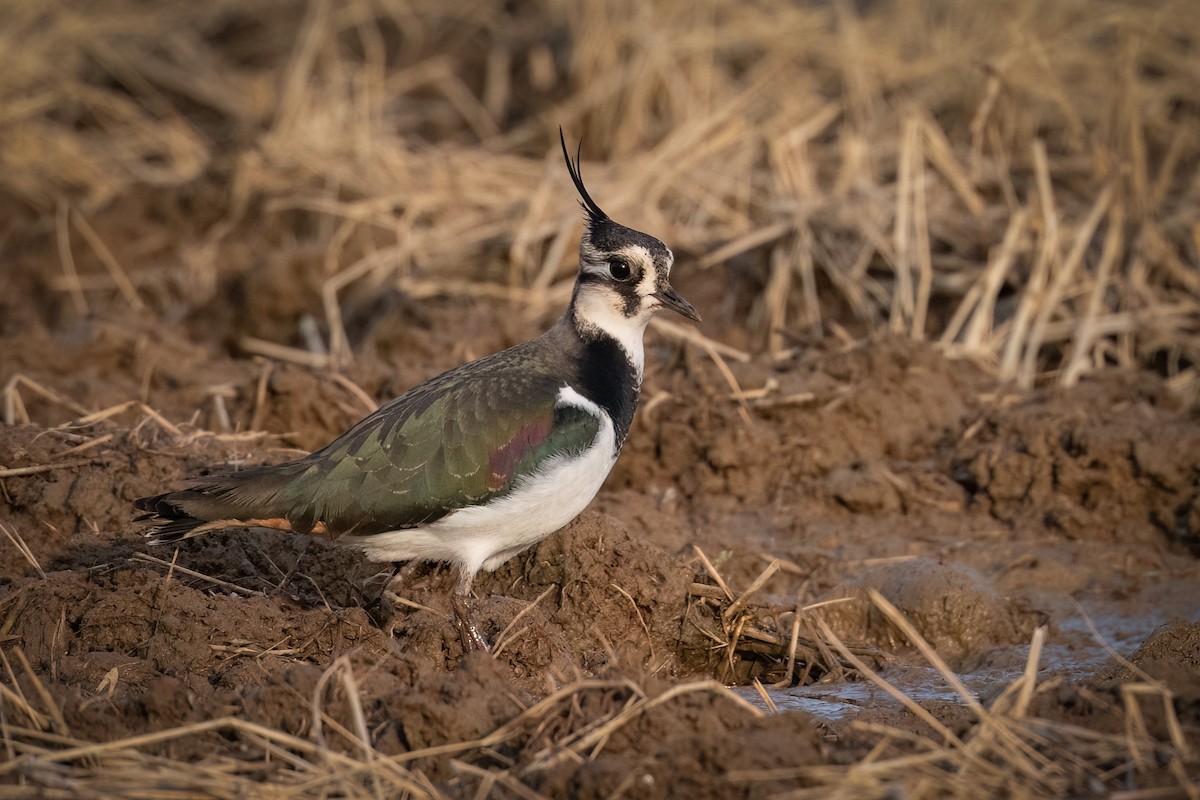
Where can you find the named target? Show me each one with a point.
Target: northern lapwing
(483, 461)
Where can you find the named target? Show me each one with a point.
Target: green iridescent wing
(431, 452)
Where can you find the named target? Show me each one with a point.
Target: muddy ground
(980, 512)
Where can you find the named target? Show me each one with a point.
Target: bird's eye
(618, 269)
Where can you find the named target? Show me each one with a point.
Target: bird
(481, 462)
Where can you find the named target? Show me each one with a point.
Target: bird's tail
(251, 498)
(170, 521)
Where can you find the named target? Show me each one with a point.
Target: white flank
(484, 537)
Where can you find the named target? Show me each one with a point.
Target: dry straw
(1017, 185)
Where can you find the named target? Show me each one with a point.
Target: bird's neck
(608, 370)
(594, 317)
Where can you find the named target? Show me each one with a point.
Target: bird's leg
(463, 603)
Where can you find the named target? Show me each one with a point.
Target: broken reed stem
(737, 605)
(935, 660)
(13, 536)
(754, 239)
(742, 635)
(171, 566)
(646, 704)
(793, 647)
(1062, 279)
(12, 397)
(1032, 294)
(1019, 753)
(62, 229)
(712, 572)
(504, 639)
(805, 267)
(641, 620)
(1086, 331)
(48, 703)
(489, 779)
(979, 305)
(940, 153)
(350, 686)
(119, 408)
(88, 445)
(280, 352)
(38, 469)
(921, 714)
(765, 697)
(1028, 681)
(731, 381)
(131, 744)
(775, 296)
(693, 336)
(119, 277)
(903, 299)
(921, 236)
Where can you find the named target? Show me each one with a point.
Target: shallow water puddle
(1071, 652)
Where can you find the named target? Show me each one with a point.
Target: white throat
(595, 309)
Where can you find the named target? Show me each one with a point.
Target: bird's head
(624, 275)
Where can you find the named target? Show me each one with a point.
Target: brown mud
(979, 512)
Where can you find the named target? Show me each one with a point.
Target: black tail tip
(171, 531)
(170, 523)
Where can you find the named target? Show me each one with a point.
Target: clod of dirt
(696, 746)
(461, 706)
(1171, 655)
(951, 605)
(864, 489)
(1121, 473)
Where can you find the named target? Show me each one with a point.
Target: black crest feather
(594, 212)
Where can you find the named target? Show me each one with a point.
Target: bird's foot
(464, 617)
(389, 604)
(390, 600)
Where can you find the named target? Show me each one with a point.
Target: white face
(621, 284)
(615, 292)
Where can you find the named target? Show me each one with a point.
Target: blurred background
(1015, 180)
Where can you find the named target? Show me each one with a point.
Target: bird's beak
(674, 301)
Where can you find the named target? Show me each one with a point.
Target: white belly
(484, 537)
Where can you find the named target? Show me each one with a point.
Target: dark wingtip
(169, 522)
(594, 212)
(148, 503)
(160, 505)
